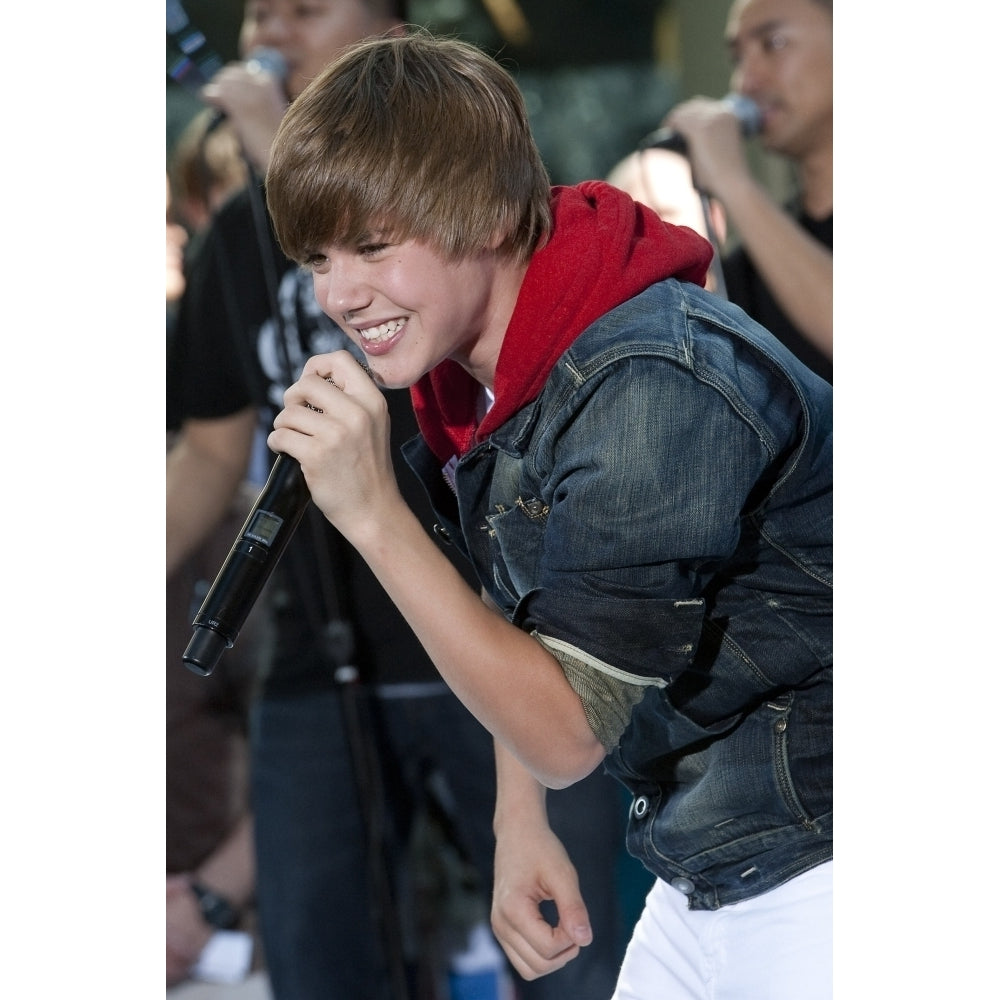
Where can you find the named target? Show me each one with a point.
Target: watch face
(216, 910)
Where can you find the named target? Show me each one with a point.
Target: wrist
(519, 808)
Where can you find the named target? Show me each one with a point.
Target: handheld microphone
(255, 553)
(265, 60)
(259, 60)
(745, 110)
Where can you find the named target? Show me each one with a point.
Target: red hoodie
(604, 249)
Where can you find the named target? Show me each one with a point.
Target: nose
(747, 75)
(340, 288)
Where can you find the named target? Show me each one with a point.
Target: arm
(796, 267)
(512, 685)
(204, 470)
(230, 872)
(532, 866)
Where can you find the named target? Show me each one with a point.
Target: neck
(815, 173)
(483, 351)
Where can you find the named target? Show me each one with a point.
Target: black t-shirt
(746, 288)
(226, 352)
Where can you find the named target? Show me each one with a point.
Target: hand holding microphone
(742, 108)
(252, 96)
(337, 402)
(336, 423)
(711, 134)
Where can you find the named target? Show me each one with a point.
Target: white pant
(777, 946)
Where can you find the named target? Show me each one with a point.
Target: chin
(388, 380)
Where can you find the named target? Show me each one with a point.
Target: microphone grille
(746, 111)
(264, 60)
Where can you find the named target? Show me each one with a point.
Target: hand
(336, 424)
(176, 241)
(254, 102)
(715, 143)
(187, 931)
(532, 865)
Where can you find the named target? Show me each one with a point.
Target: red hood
(604, 249)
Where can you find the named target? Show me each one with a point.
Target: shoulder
(676, 333)
(679, 321)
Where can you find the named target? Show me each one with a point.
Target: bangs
(387, 140)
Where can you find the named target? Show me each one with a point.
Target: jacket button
(442, 533)
(682, 884)
(640, 807)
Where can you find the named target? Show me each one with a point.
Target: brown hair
(414, 137)
(205, 166)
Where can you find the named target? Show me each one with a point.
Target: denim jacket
(660, 518)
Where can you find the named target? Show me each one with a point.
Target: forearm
(797, 268)
(532, 866)
(520, 799)
(230, 869)
(204, 470)
(228, 873)
(503, 676)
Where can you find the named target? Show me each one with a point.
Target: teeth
(383, 331)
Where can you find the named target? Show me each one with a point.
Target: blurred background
(597, 75)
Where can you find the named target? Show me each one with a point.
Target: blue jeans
(318, 893)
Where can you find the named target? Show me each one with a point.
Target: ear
(497, 240)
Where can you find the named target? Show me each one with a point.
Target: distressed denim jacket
(660, 518)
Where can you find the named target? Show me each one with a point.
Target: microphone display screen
(254, 554)
(264, 527)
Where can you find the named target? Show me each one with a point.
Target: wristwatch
(216, 909)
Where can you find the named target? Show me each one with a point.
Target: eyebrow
(732, 42)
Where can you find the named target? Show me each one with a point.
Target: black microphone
(745, 110)
(254, 554)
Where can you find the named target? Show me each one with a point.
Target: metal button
(682, 884)
(640, 807)
(442, 533)
(781, 725)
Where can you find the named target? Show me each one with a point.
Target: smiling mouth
(377, 334)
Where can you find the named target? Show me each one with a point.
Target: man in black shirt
(782, 271)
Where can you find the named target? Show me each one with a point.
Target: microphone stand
(363, 747)
(674, 143)
(715, 268)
